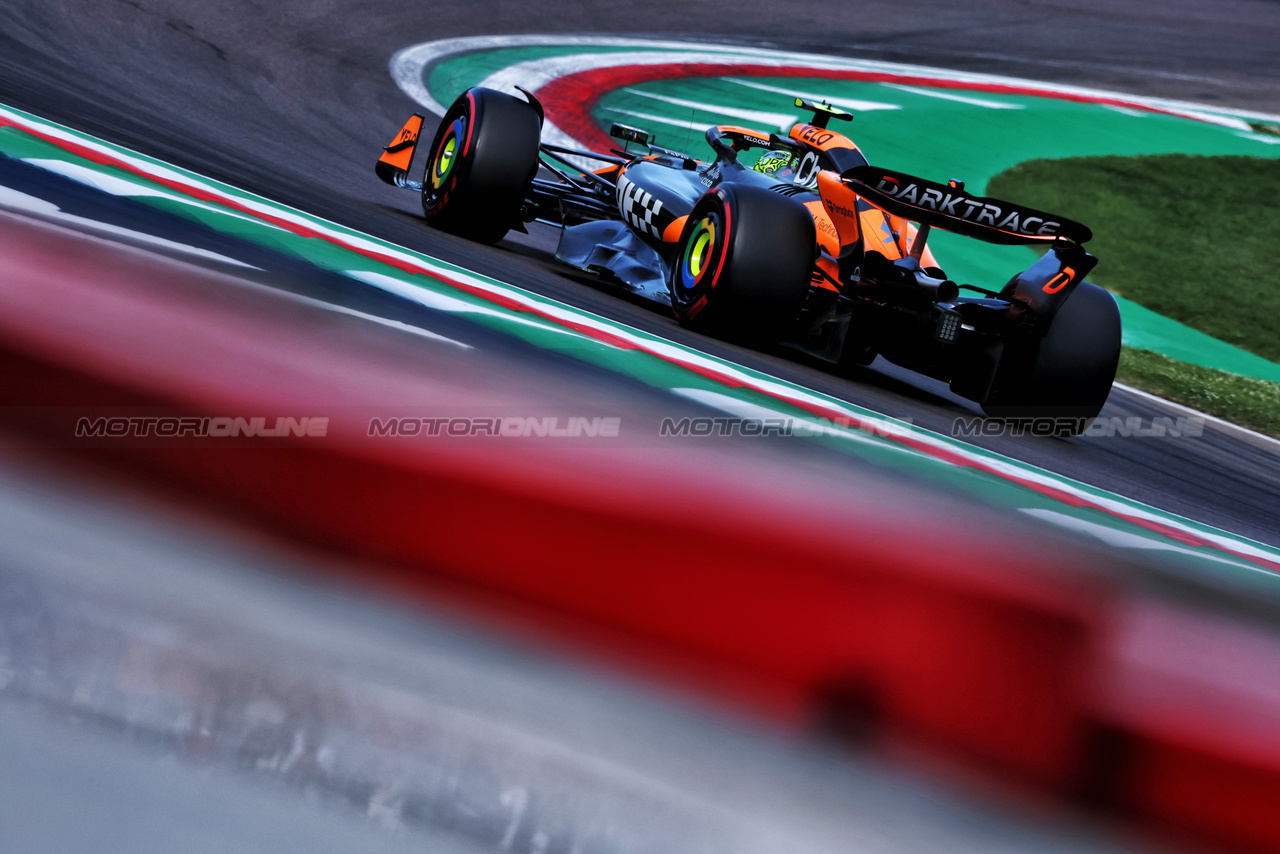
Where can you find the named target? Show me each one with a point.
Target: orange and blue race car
(806, 245)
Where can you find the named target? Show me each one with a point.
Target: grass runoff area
(1246, 401)
(1196, 239)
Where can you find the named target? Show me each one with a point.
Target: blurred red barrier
(871, 602)
(1193, 701)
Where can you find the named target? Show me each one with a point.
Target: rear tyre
(1066, 375)
(483, 157)
(743, 263)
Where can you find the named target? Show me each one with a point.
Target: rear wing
(949, 207)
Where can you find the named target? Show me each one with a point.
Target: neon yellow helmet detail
(774, 163)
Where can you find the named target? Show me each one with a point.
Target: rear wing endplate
(949, 207)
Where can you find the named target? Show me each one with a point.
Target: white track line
(845, 103)
(652, 117)
(960, 99)
(1206, 416)
(118, 186)
(46, 211)
(784, 121)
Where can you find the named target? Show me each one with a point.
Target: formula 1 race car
(810, 247)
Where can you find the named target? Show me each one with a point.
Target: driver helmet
(777, 164)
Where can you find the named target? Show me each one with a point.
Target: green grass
(1196, 239)
(1241, 400)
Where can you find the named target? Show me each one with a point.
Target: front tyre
(483, 157)
(743, 264)
(1067, 374)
